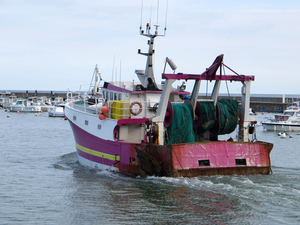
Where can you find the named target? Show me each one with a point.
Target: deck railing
(117, 109)
(83, 99)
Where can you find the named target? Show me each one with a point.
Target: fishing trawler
(145, 129)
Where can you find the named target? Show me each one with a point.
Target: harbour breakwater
(32, 93)
(266, 102)
(258, 102)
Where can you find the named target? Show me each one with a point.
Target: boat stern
(205, 159)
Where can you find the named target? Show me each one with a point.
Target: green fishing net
(208, 110)
(181, 128)
(229, 115)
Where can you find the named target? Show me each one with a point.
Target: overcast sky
(52, 45)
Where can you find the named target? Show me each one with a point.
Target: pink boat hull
(177, 160)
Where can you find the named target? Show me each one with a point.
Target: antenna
(148, 26)
(157, 11)
(112, 75)
(120, 71)
(116, 75)
(146, 76)
(141, 16)
(150, 18)
(166, 17)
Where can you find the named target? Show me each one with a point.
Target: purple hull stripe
(89, 141)
(92, 142)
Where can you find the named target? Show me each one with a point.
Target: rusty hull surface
(221, 158)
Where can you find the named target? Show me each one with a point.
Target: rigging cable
(226, 81)
(120, 71)
(112, 75)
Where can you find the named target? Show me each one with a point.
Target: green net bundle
(229, 115)
(229, 112)
(208, 110)
(181, 128)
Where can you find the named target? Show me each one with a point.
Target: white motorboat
(3, 102)
(43, 102)
(23, 105)
(294, 106)
(8, 101)
(57, 111)
(58, 100)
(288, 121)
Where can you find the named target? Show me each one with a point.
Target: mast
(146, 76)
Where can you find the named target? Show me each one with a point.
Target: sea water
(41, 182)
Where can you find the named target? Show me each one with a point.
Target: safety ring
(138, 112)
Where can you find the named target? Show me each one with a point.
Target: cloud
(55, 44)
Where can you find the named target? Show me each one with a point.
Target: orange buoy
(18, 112)
(41, 111)
(104, 109)
(101, 116)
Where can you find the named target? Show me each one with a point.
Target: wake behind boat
(145, 129)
